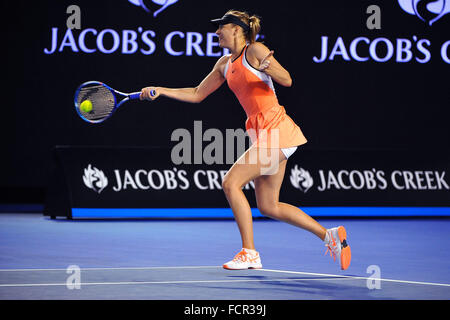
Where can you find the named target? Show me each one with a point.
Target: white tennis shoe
(245, 259)
(337, 246)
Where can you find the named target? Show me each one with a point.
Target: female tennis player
(249, 71)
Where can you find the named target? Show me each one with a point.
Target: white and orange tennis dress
(267, 123)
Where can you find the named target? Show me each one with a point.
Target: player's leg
(246, 168)
(249, 166)
(267, 190)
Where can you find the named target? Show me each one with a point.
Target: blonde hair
(254, 22)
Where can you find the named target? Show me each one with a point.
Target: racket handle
(136, 95)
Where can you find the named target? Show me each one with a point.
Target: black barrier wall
(89, 178)
(357, 83)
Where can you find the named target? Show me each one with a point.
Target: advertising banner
(144, 182)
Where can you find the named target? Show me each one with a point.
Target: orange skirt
(273, 128)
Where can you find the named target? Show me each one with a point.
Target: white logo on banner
(369, 179)
(427, 11)
(163, 3)
(301, 179)
(94, 179)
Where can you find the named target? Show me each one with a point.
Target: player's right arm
(193, 95)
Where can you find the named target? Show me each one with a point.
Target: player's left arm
(266, 62)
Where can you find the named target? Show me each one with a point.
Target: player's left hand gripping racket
(103, 98)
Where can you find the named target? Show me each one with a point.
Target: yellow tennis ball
(86, 106)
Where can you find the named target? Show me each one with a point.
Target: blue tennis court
(41, 258)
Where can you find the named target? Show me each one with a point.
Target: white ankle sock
(327, 237)
(251, 251)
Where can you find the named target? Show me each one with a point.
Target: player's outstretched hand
(149, 93)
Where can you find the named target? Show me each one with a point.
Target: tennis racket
(104, 100)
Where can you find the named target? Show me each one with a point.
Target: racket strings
(102, 100)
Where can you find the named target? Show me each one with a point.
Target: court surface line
(335, 276)
(164, 282)
(358, 277)
(111, 268)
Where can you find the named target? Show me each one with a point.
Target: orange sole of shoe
(346, 253)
